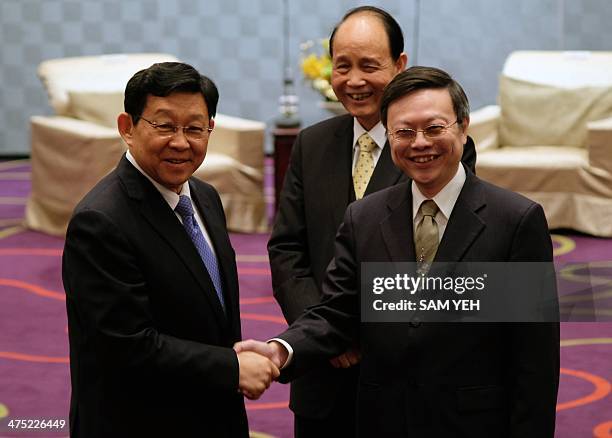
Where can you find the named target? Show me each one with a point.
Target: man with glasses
(151, 282)
(433, 379)
(333, 163)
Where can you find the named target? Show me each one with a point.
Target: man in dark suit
(151, 282)
(433, 379)
(367, 52)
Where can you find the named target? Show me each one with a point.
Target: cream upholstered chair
(550, 136)
(73, 149)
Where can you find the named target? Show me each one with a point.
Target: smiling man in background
(333, 163)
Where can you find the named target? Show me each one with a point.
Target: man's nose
(179, 139)
(420, 141)
(355, 78)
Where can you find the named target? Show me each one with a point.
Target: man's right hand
(272, 350)
(256, 374)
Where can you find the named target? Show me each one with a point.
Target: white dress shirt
(377, 133)
(172, 198)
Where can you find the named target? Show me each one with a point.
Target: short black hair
(422, 78)
(392, 28)
(165, 78)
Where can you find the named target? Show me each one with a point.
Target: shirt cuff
(287, 347)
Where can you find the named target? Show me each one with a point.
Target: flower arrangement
(317, 67)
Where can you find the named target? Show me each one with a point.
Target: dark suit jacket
(150, 346)
(317, 189)
(438, 379)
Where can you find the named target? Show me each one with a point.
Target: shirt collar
(445, 199)
(172, 198)
(378, 133)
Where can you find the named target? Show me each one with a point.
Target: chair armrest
(74, 151)
(599, 144)
(72, 126)
(483, 127)
(86, 149)
(240, 139)
(68, 157)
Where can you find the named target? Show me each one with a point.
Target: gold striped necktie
(426, 238)
(364, 166)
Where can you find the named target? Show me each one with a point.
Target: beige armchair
(550, 136)
(74, 149)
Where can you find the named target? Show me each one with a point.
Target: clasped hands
(260, 364)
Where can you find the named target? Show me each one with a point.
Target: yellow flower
(317, 67)
(311, 66)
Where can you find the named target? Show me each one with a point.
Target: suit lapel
(396, 228)
(386, 174)
(222, 246)
(338, 155)
(465, 224)
(158, 214)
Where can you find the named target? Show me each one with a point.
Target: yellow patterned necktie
(426, 238)
(364, 166)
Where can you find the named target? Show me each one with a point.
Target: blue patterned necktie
(185, 210)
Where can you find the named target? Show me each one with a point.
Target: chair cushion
(561, 68)
(103, 73)
(536, 158)
(536, 114)
(96, 106)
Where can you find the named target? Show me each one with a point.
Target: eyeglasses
(408, 135)
(194, 133)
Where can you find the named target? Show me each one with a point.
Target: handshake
(259, 364)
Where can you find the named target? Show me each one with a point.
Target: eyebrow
(428, 121)
(370, 59)
(360, 60)
(170, 113)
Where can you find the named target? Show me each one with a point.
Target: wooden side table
(283, 143)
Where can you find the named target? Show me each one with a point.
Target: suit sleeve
(533, 347)
(293, 283)
(327, 329)
(108, 306)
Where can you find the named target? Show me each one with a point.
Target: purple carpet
(34, 375)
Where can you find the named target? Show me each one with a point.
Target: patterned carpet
(34, 377)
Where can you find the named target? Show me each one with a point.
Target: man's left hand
(347, 359)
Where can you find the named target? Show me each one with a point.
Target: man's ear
(211, 123)
(401, 63)
(125, 127)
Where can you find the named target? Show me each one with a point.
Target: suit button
(415, 322)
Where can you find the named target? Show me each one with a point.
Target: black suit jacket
(150, 345)
(317, 189)
(438, 379)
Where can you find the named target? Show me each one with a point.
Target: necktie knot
(429, 208)
(366, 143)
(184, 208)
